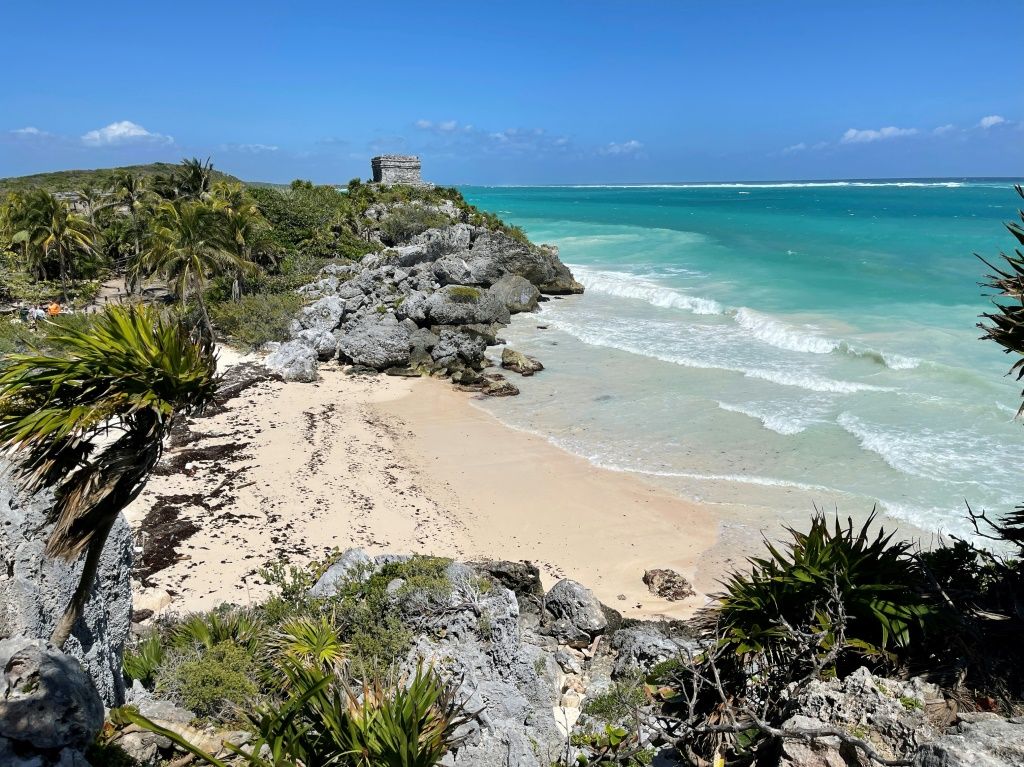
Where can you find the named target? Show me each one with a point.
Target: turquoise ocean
(771, 347)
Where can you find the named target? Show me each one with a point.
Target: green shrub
(206, 630)
(256, 319)
(211, 682)
(464, 294)
(618, 703)
(406, 221)
(879, 584)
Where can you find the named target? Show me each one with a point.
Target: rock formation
(35, 589)
(429, 306)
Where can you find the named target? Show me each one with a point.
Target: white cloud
(991, 121)
(124, 131)
(795, 148)
(424, 124)
(942, 130)
(631, 147)
(29, 131)
(855, 136)
(447, 126)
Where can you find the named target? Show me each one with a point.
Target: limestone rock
(514, 684)
(295, 360)
(353, 562)
(863, 701)
(668, 584)
(376, 341)
(573, 614)
(646, 645)
(977, 740)
(522, 578)
(520, 363)
(323, 315)
(35, 589)
(324, 342)
(47, 701)
(464, 305)
(517, 293)
(445, 240)
(456, 344)
(497, 386)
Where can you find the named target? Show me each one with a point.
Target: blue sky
(523, 92)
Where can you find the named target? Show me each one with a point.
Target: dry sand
(292, 470)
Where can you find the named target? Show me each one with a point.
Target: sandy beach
(293, 470)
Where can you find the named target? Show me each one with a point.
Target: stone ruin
(397, 169)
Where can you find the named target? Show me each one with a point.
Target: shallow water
(776, 346)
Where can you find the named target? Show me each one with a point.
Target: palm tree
(132, 191)
(244, 225)
(52, 232)
(194, 178)
(187, 245)
(90, 424)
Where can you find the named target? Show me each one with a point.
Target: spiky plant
(90, 424)
(876, 579)
(1005, 324)
(208, 629)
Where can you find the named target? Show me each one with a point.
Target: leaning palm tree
(187, 246)
(90, 424)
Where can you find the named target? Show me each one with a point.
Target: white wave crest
(631, 286)
(631, 345)
(781, 335)
(776, 422)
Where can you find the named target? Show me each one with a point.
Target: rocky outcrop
(976, 740)
(49, 709)
(295, 360)
(430, 305)
(572, 614)
(35, 589)
(520, 363)
(668, 584)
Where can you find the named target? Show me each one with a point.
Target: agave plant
(90, 423)
(877, 580)
(142, 662)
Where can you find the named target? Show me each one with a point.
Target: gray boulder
(978, 740)
(495, 254)
(513, 684)
(35, 589)
(353, 563)
(327, 286)
(47, 701)
(517, 293)
(442, 241)
(520, 363)
(464, 305)
(323, 315)
(458, 345)
(294, 360)
(377, 340)
(324, 342)
(644, 646)
(573, 614)
(453, 270)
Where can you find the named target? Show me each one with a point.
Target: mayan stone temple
(397, 169)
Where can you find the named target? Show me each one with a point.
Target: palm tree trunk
(73, 611)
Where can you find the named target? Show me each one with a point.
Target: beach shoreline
(290, 471)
